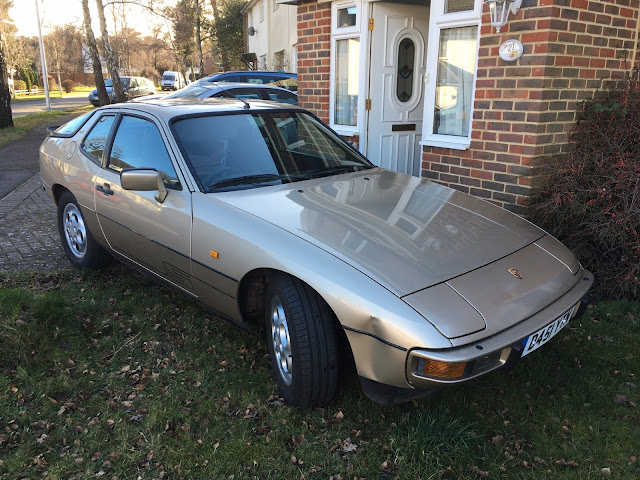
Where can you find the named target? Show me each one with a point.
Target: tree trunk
(103, 96)
(199, 39)
(59, 82)
(108, 53)
(216, 18)
(6, 119)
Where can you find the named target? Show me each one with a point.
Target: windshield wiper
(258, 178)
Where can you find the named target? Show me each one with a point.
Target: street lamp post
(43, 61)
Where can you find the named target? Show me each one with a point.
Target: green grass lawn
(108, 374)
(25, 123)
(54, 93)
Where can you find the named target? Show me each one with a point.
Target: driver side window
(138, 144)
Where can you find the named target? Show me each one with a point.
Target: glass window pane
(347, 79)
(95, 142)
(454, 83)
(71, 127)
(452, 6)
(260, 149)
(283, 97)
(138, 144)
(346, 17)
(406, 66)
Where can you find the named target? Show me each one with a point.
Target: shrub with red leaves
(590, 197)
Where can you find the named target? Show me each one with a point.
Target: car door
(153, 234)
(134, 88)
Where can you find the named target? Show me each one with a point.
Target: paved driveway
(28, 223)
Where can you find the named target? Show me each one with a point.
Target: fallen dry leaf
(477, 471)
(298, 440)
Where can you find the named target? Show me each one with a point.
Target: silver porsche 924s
(258, 210)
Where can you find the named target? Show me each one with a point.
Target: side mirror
(144, 180)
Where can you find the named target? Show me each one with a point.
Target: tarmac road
(24, 107)
(19, 159)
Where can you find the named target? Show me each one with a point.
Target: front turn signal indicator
(434, 368)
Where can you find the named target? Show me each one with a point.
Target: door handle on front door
(106, 190)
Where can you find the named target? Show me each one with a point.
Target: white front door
(396, 86)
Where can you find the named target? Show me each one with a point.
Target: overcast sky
(59, 12)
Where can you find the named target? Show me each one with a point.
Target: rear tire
(303, 341)
(79, 245)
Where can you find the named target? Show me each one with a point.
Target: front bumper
(502, 349)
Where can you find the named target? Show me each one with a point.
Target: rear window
(189, 92)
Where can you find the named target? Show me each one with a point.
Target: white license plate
(542, 336)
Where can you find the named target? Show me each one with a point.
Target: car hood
(403, 232)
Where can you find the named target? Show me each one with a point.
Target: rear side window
(283, 97)
(94, 143)
(244, 93)
(228, 78)
(71, 128)
(257, 80)
(138, 144)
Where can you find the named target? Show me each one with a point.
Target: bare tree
(6, 119)
(199, 36)
(103, 96)
(108, 53)
(53, 43)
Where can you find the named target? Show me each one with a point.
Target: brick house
(421, 88)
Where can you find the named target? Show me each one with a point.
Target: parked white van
(172, 81)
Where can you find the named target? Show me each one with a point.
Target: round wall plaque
(511, 50)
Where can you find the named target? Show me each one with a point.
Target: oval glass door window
(406, 67)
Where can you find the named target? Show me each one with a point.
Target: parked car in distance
(279, 79)
(172, 81)
(260, 212)
(133, 87)
(245, 91)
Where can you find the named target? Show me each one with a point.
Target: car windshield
(189, 92)
(233, 152)
(168, 76)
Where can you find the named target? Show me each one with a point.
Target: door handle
(104, 189)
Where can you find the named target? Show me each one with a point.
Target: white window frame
(344, 33)
(261, 8)
(438, 21)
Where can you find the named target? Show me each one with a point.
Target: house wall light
(499, 11)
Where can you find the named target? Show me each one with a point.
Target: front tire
(79, 245)
(303, 341)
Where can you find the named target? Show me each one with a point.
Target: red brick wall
(525, 109)
(314, 47)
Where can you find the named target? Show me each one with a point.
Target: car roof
(173, 107)
(249, 72)
(233, 85)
